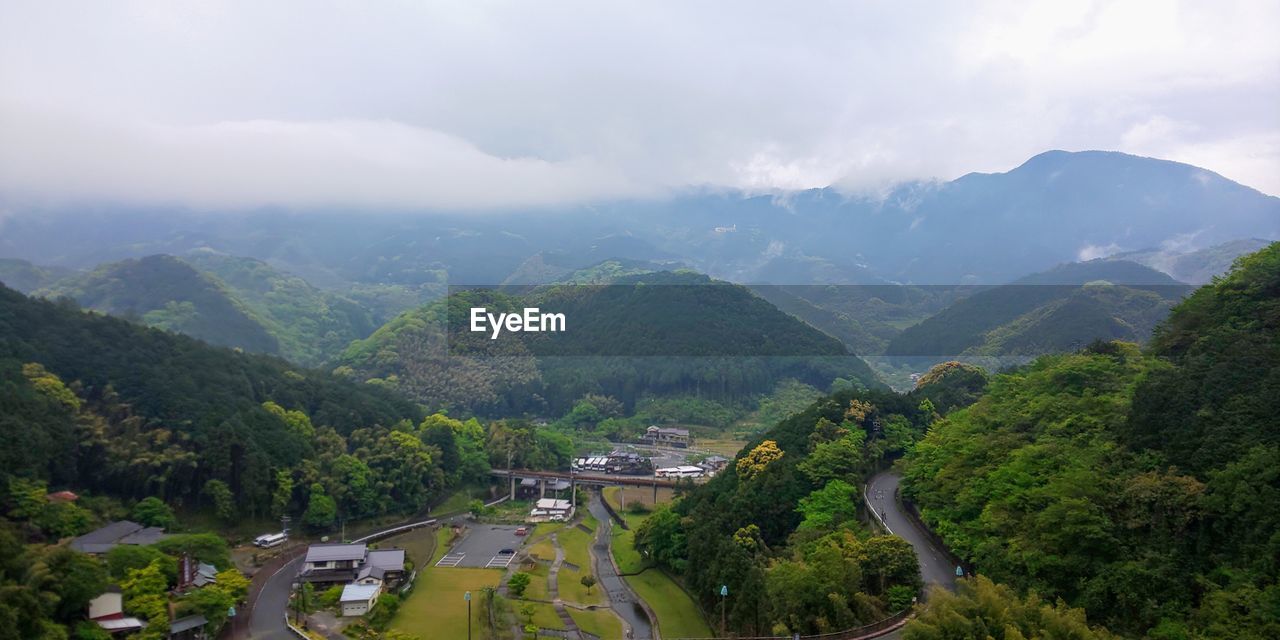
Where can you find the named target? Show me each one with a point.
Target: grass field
(543, 550)
(538, 589)
(727, 447)
(419, 545)
(601, 622)
(633, 495)
(436, 608)
(544, 615)
(678, 616)
(577, 543)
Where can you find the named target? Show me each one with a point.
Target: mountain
(1194, 267)
(97, 402)
(26, 277)
(657, 333)
(225, 300)
(1061, 309)
(167, 293)
(982, 228)
(1143, 487)
(310, 325)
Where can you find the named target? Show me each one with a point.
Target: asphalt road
(935, 567)
(267, 621)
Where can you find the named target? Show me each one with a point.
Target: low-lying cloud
(482, 105)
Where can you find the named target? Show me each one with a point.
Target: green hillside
(310, 325)
(224, 300)
(651, 333)
(167, 293)
(26, 277)
(1057, 310)
(1140, 487)
(99, 403)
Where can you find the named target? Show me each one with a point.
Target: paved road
(267, 621)
(620, 595)
(935, 567)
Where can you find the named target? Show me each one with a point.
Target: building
(667, 436)
(551, 510)
(193, 574)
(108, 611)
(359, 599)
(119, 532)
(62, 496)
(714, 464)
(188, 628)
(346, 563)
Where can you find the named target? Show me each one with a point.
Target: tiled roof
(333, 552)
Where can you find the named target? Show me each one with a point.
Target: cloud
(491, 104)
(1093, 251)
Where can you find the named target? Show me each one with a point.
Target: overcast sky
(479, 104)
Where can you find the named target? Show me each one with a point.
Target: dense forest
(224, 300)
(1142, 487)
(659, 333)
(780, 527)
(102, 404)
(1062, 309)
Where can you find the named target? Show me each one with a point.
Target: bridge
(574, 478)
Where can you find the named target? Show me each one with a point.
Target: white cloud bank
(486, 104)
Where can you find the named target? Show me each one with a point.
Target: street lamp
(467, 596)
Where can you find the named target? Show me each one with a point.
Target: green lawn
(601, 622)
(571, 588)
(436, 608)
(537, 589)
(419, 545)
(543, 550)
(544, 615)
(543, 528)
(678, 616)
(576, 542)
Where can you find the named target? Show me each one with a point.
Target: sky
(480, 105)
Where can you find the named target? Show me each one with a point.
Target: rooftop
(334, 552)
(359, 592)
(186, 624)
(552, 504)
(387, 559)
(118, 532)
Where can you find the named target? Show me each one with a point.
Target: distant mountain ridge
(1061, 309)
(1194, 267)
(224, 300)
(982, 228)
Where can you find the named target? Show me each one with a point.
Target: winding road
(621, 598)
(935, 566)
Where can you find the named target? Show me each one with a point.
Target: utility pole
(467, 596)
(724, 593)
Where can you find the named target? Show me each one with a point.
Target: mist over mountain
(981, 228)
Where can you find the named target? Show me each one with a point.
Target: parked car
(522, 531)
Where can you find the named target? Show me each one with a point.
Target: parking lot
(482, 546)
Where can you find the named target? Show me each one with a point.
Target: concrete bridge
(574, 478)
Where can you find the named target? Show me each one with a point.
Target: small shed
(359, 599)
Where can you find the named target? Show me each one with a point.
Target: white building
(551, 509)
(359, 599)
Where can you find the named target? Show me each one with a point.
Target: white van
(269, 540)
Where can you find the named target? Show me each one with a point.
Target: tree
(982, 610)
(322, 511)
(518, 582)
(153, 512)
(224, 505)
(282, 495)
(829, 506)
(758, 459)
(588, 581)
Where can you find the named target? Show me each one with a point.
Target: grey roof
(332, 552)
(358, 592)
(528, 482)
(149, 535)
(369, 570)
(207, 570)
(103, 539)
(559, 485)
(186, 624)
(387, 559)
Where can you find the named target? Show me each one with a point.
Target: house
(192, 574)
(551, 509)
(348, 563)
(359, 599)
(188, 628)
(119, 532)
(107, 610)
(108, 606)
(333, 563)
(667, 436)
(713, 464)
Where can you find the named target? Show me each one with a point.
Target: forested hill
(99, 403)
(1058, 310)
(224, 300)
(164, 292)
(1144, 488)
(780, 525)
(651, 333)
